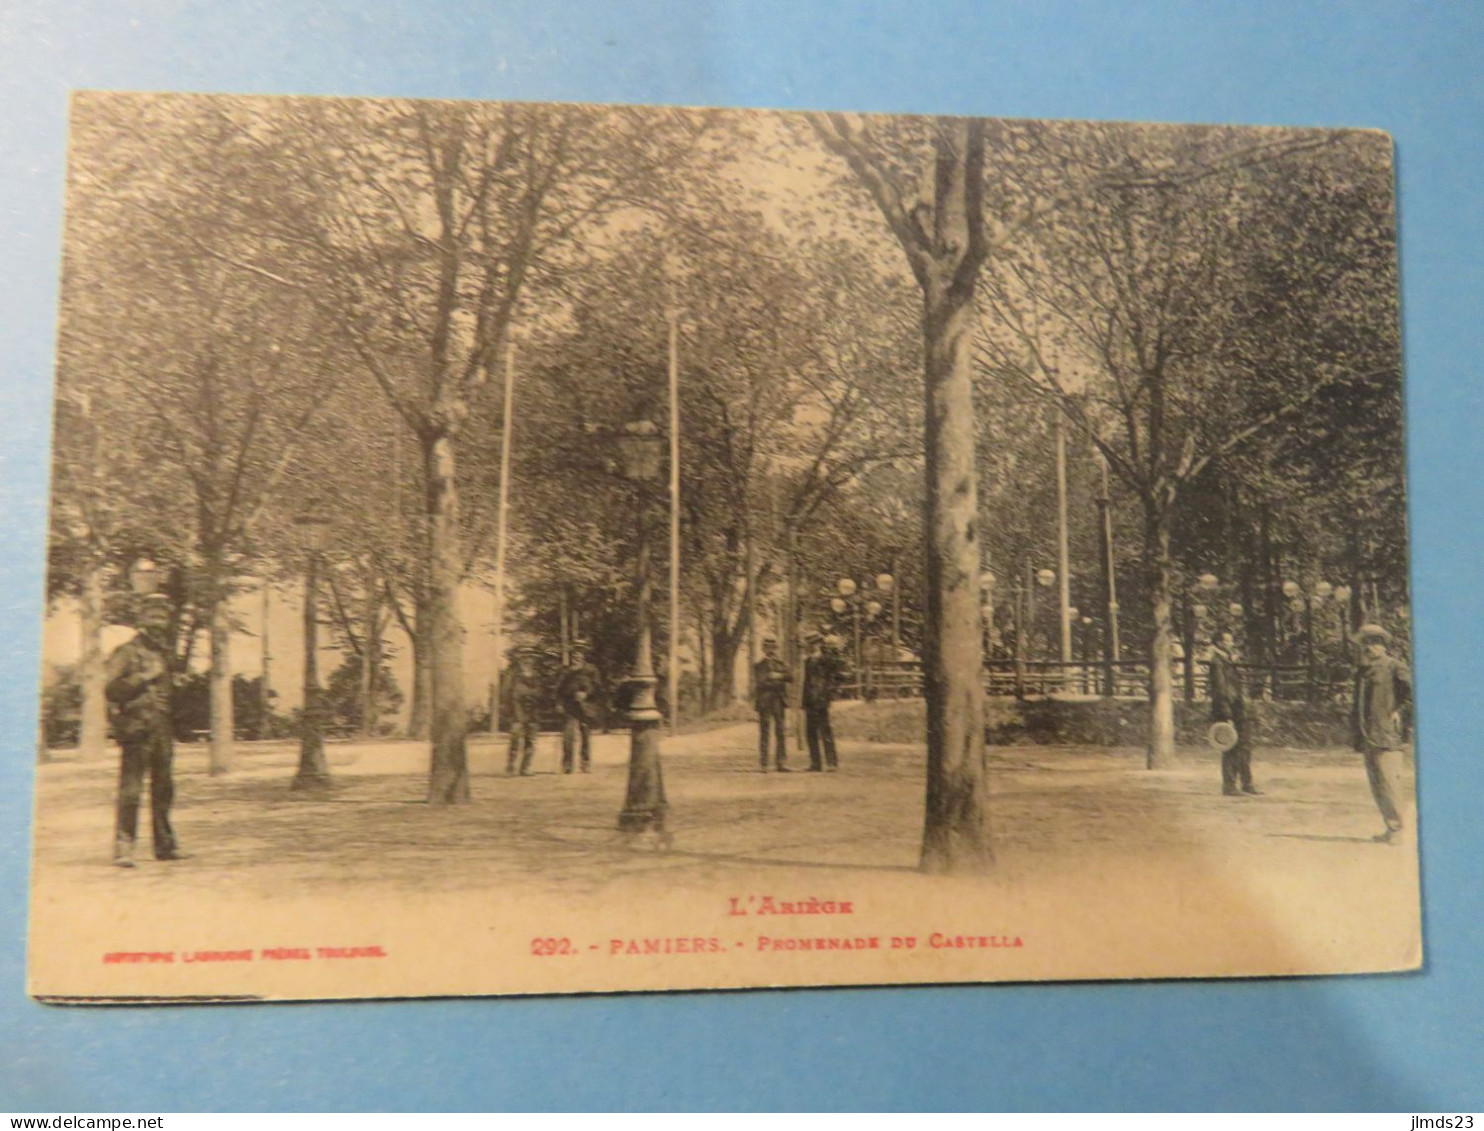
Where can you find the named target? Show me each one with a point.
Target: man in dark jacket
(138, 689)
(821, 677)
(1381, 697)
(579, 692)
(1229, 705)
(770, 680)
(520, 704)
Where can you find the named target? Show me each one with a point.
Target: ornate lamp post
(1045, 578)
(852, 597)
(641, 449)
(314, 768)
(1342, 599)
(1300, 601)
(887, 583)
(986, 609)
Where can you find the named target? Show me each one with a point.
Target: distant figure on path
(520, 703)
(578, 690)
(138, 689)
(1382, 693)
(821, 678)
(770, 680)
(1229, 705)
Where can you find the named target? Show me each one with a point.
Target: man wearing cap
(821, 676)
(138, 689)
(1229, 705)
(1382, 692)
(578, 692)
(520, 703)
(770, 680)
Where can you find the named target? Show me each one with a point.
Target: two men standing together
(822, 673)
(579, 695)
(1381, 697)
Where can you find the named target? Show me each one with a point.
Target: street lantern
(1044, 577)
(838, 605)
(1291, 589)
(1208, 581)
(1342, 593)
(1200, 611)
(873, 609)
(1235, 608)
(846, 587)
(144, 577)
(1322, 589)
(884, 582)
(641, 448)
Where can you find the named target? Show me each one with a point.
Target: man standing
(1382, 692)
(578, 692)
(821, 676)
(139, 683)
(770, 680)
(1229, 705)
(520, 703)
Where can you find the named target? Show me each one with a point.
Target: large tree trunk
(725, 644)
(956, 830)
(92, 738)
(448, 780)
(222, 725)
(1161, 752)
(946, 246)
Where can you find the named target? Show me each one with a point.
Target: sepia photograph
(531, 548)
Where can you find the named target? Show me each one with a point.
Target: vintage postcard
(522, 548)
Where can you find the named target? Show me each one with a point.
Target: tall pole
(1063, 553)
(314, 769)
(502, 527)
(673, 682)
(265, 695)
(790, 630)
(859, 668)
(1030, 609)
(1110, 583)
(564, 635)
(896, 608)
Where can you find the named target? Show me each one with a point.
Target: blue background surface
(1413, 1042)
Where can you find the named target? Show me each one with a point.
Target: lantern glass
(144, 577)
(312, 525)
(873, 608)
(1209, 581)
(1045, 576)
(1323, 589)
(641, 450)
(1235, 608)
(846, 587)
(1199, 611)
(1290, 588)
(1342, 592)
(838, 604)
(884, 582)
